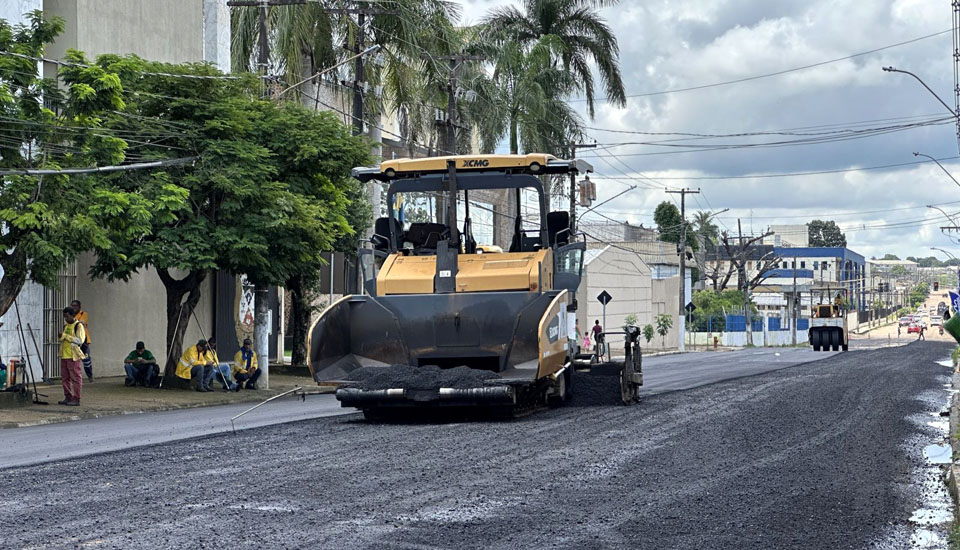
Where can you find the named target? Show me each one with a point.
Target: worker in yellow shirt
(196, 365)
(71, 376)
(84, 318)
(245, 366)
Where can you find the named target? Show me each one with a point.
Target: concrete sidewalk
(39, 444)
(109, 397)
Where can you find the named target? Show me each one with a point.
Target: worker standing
(84, 317)
(71, 338)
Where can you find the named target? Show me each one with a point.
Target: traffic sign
(690, 307)
(605, 297)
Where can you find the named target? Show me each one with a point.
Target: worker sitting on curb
(221, 371)
(141, 367)
(245, 366)
(195, 365)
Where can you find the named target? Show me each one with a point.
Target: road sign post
(604, 298)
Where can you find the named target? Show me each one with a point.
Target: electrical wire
(776, 73)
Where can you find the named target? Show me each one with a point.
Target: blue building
(825, 268)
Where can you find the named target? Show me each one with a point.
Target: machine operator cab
(436, 258)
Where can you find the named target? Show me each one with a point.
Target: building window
(803, 265)
(816, 266)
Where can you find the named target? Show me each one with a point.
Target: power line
(97, 169)
(777, 73)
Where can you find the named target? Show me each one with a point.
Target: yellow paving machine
(444, 322)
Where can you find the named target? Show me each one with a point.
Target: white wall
(121, 313)
(30, 302)
(13, 10)
(625, 277)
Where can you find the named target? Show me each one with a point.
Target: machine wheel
(815, 340)
(557, 399)
(835, 340)
(629, 391)
(845, 347)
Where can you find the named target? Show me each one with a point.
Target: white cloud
(673, 44)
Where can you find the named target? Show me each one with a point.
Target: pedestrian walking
(71, 376)
(898, 330)
(920, 335)
(84, 317)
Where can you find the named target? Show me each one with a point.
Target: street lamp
(954, 113)
(940, 165)
(951, 256)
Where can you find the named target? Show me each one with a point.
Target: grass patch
(955, 536)
(955, 355)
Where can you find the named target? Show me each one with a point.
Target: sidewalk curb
(953, 470)
(100, 414)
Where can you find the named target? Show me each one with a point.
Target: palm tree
(707, 231)
(581, 34)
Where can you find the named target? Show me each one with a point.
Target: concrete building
(820, 270)
(893, 270)
(641, 277)
(123, 312)
(788, 236)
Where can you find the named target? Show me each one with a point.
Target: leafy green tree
(664, 324)
(826, 233)
(716, 305)
(667, 218)
(648, 333)
(49, 219)
(265, 196)
(322, 207)
(890, 257)
(899, 271)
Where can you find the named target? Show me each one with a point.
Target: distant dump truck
(828, 328)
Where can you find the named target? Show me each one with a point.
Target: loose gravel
(810, 456)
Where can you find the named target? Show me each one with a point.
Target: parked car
(906, 321)
(913, 328)
(936, 320)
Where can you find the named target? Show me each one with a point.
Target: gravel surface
(428, 377)
(811, 456)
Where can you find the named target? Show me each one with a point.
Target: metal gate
(54, 300)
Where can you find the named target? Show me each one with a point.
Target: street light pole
(953, 112)
(941, 167)
(949, 255)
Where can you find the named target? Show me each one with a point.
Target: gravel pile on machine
(428, 377)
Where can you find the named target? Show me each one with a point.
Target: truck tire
(835, 340)
(815, 340)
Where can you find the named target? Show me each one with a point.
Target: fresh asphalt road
(690, 370)
(820, 455)
(33, 445)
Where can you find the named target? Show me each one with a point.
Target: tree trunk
(14, 277)
(301, 310)
(261, 333)
(514, 139)
(179, 312)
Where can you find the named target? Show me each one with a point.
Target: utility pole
(793, 310)
(746, 290)
(451, 145)
(681, 324)
(573, 184)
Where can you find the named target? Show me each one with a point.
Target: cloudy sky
(671, 44)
